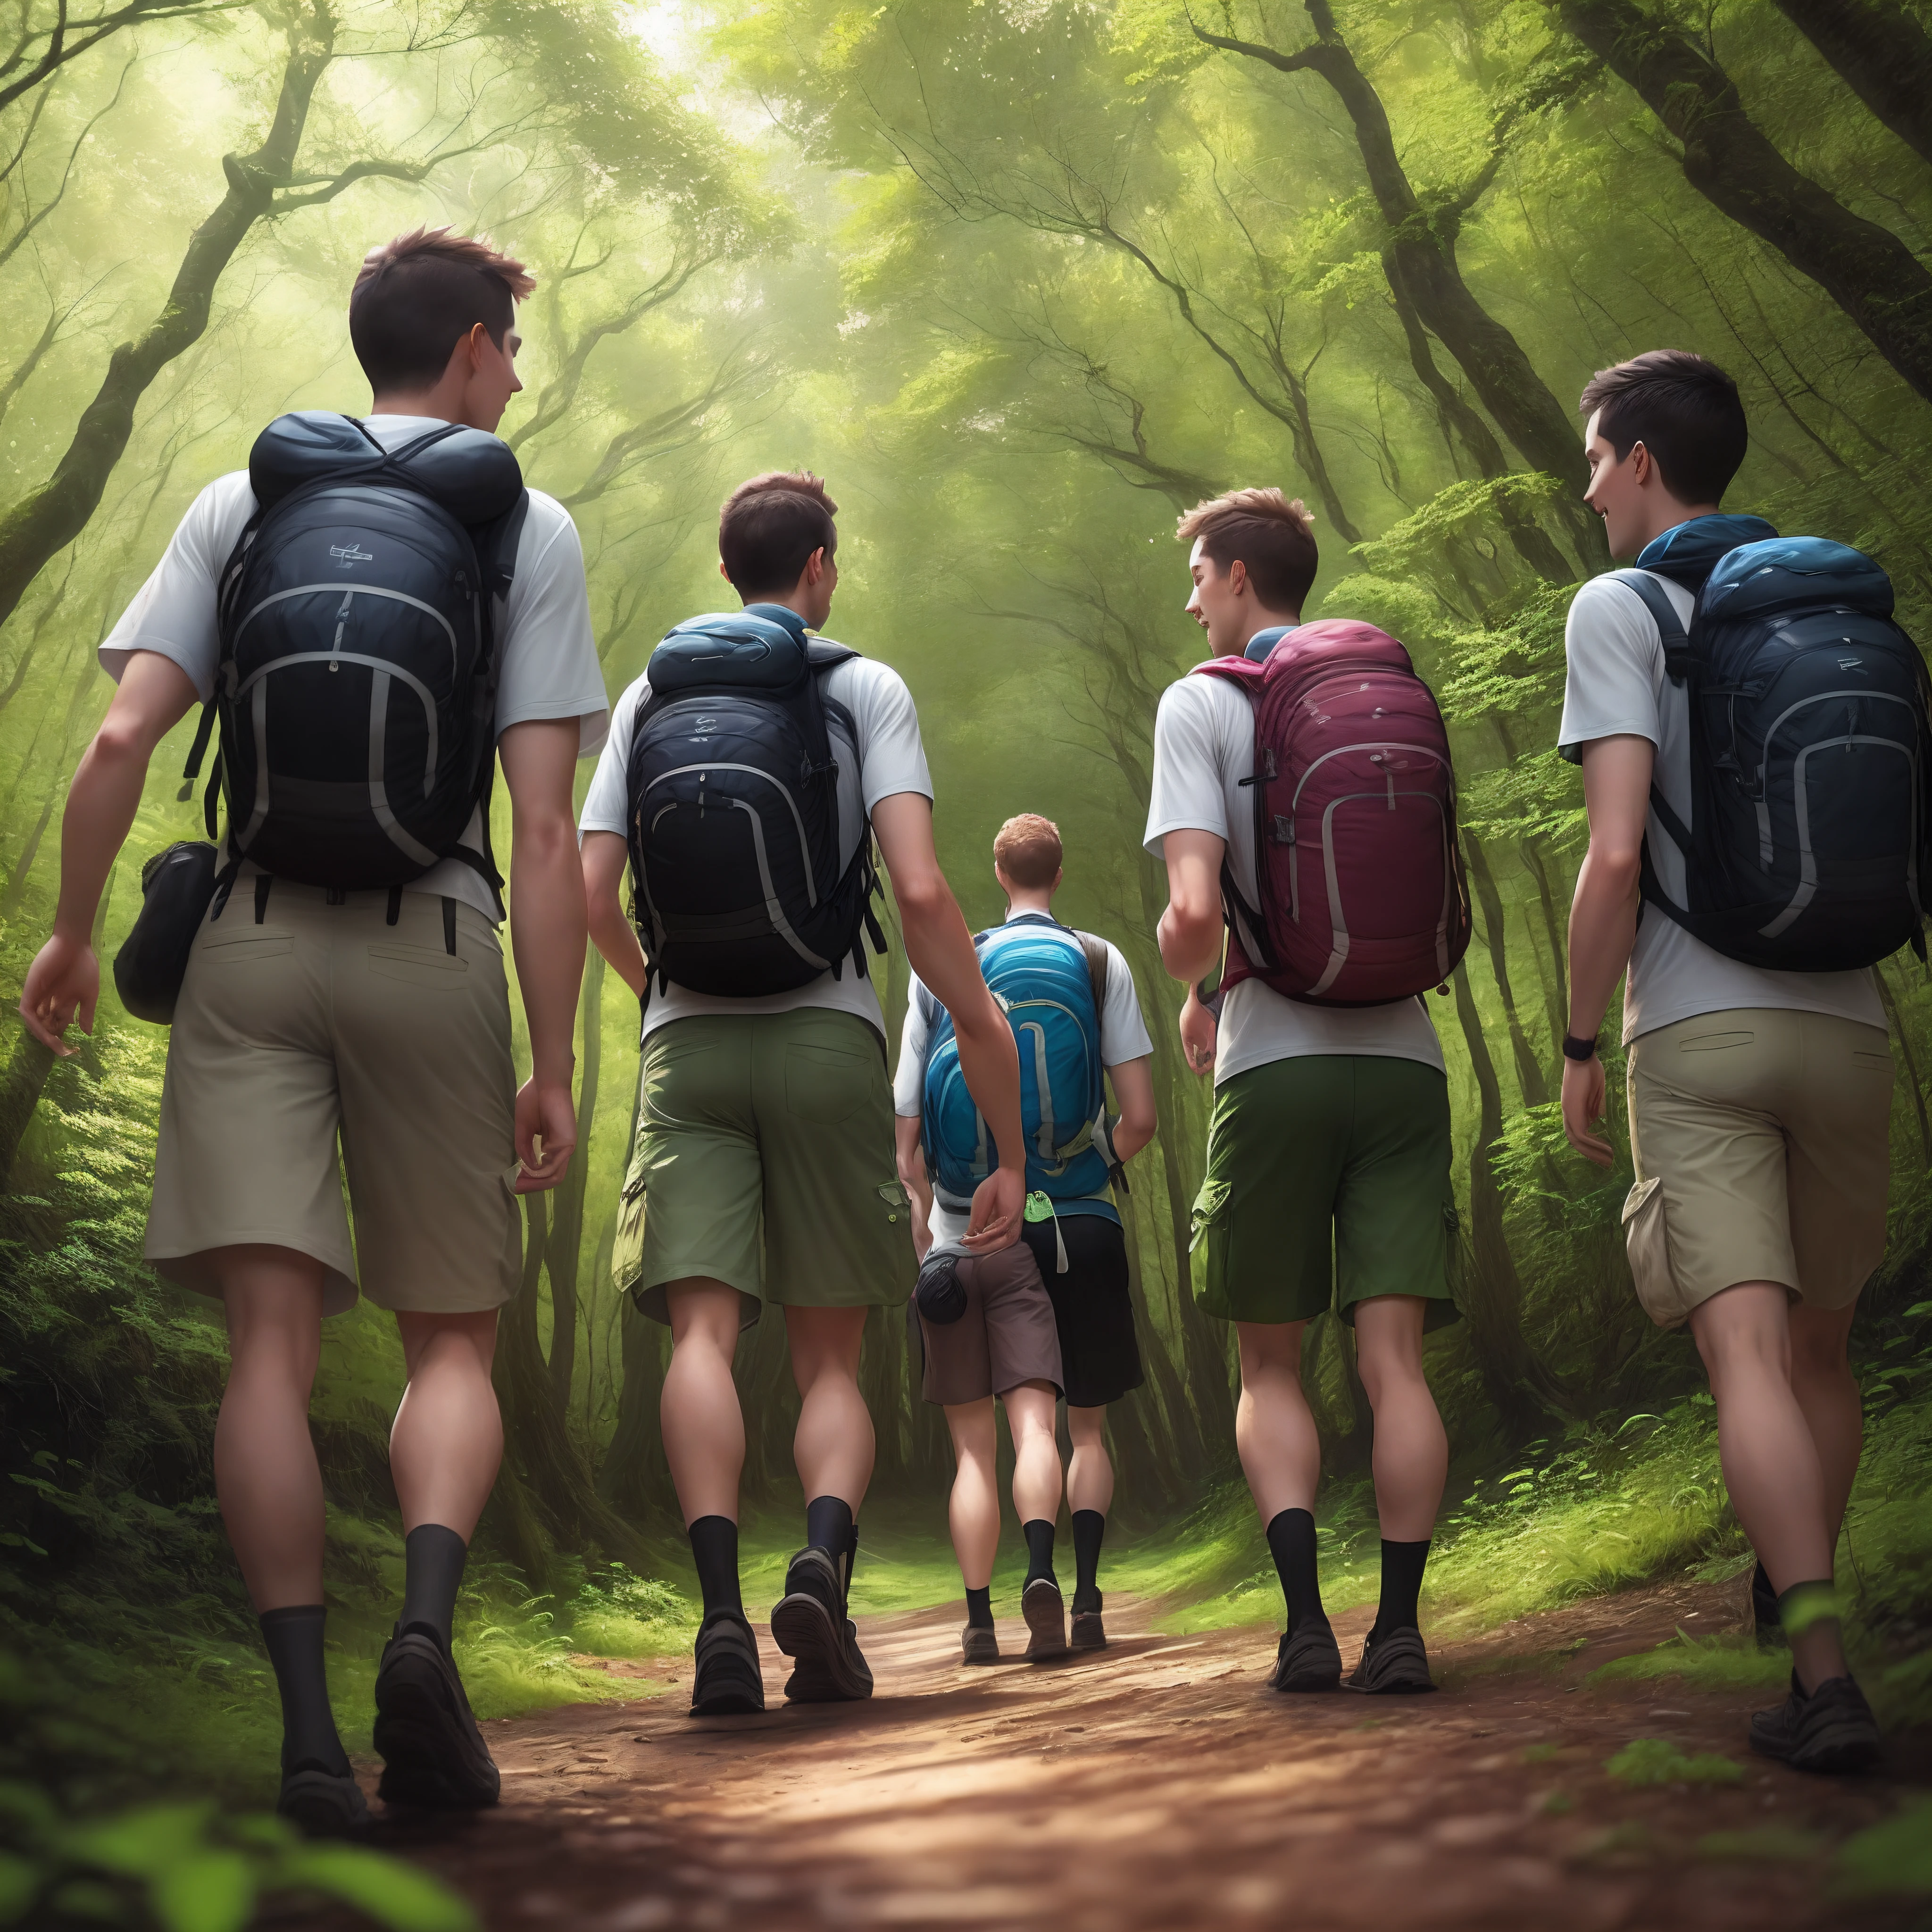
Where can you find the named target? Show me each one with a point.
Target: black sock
(828, 1526)
(433, 1559)
(1089, 1527)
(293, 1637)
(1402, 1585)
(979, 1608)
(714, 1548)
(1290, 1540)
(1039, 1549)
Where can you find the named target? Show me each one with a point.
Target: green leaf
(263, 1828)
(19, 1886)
(1656, 1761)
(1895, 1856)
(395, 1894)
(211, 1891)
(30, 1806)
(141, 1843)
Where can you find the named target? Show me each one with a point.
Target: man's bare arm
(1133, 1090)
(546, 928)
(64, 982)
(911, 1158)
(1191, 928)
(940, 949)
(604, 857)
(1617, 774)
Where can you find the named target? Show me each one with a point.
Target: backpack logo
(704, 727)
(351, 553)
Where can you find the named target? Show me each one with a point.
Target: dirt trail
(1160, 1783)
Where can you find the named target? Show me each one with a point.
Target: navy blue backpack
(1053, 995)
(1810, 749)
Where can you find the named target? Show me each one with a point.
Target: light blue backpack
(1053, 995)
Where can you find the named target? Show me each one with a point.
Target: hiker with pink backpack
(1305, 806)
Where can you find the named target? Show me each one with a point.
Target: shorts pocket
(826, 1085)
(1873, 1063)
(255, 946)
(898, 1205)
(1209, 1209)
(627, 1250)
(1714, 1043)
(1647, 1242)
(419, 966)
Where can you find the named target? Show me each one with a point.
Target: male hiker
(1331, 1123)
(747, 774)
(1073, 994)
(318, 1005)
(1751, 855)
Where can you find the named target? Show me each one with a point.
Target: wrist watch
(1574, 1048)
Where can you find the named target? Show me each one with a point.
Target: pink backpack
(1363, 901)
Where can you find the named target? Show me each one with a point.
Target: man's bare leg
(1090, 1495)
(973, 1517)
(1031, 1409)
(1828, 1392)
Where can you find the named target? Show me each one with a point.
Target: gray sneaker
(1309, 1660)
(978, 1645)
(1393, 1665)
(1044, 1610)
(809, 1625)
(1831, 1730)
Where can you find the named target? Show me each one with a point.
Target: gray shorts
(1006, 1336)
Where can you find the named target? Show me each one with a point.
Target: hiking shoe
(726, 1680)
(322, 1804)
(1832, 1729)
(433, 1754)
(978, 1645)
(1309, 1659)
(1088, 1632)
(809, 1625)
(1766, 1624)
(1044, 1610)
(1393, 1665)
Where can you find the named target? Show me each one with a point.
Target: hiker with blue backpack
(749, 772)
(1304, 804)
(1056, 1313)
(1752, 727)
(371, 613)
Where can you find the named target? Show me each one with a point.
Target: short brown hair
(1274, 536)
(769, 526)
(417, 297)
(1683, 409)
(1026, 849)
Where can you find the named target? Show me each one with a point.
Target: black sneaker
(978, 1645)
(1832, 1729)
(321, 1803)
(1393, 1665)
(1044, 1610)
(726, 1679)
(433, 1754)
(1766, 1624)
(809, 1625)
(1088, 1632)
(1309, 1660)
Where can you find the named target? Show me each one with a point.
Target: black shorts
(1100, 1360)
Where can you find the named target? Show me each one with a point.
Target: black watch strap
(1574, 1048)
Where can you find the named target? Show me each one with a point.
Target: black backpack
(1810, 758)
(356, 691)
(738, 888)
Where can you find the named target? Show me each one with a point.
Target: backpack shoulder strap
(1098, 963)
(1657, 601)
(823, 656)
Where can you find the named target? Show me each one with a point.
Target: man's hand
(545, 1113)
(63, 983)
(999, 1211)
(1583, 1107)
(1198, 1033)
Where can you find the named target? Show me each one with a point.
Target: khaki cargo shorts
(1007, 1336)
(764, 1158)
(1761, 1139)
(324, 1022)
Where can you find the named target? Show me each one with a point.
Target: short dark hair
(1272, 534)
(417, 297)
(769, 526)
(1683, 409)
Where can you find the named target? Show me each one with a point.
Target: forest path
(1160, 1783)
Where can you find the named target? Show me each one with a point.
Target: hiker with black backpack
(748, 771)
(1305, 806)
(372, 612)
(1752, 727)
(1057, 1313)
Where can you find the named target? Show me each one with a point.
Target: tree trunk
(1872, 275)
(20, 1087)
(1495, 936)
(1897, 1019)
(54, 513)
(1882, 54)
(564, 1250)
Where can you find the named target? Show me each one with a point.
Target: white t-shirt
(1123, 1037)
(1617, 688)
(549, 667)
(888, 757)
(1203, 747)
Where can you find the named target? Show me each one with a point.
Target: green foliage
(1709, 1663)
(1895, 1857)
(1646, 1761)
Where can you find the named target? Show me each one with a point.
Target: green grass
(1649, 1761)
(1706, 1663)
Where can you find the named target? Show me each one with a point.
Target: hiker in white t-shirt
(312, 1014)
(1759, 1100)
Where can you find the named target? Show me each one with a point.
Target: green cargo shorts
(764, 1158)
(1327, 1184)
